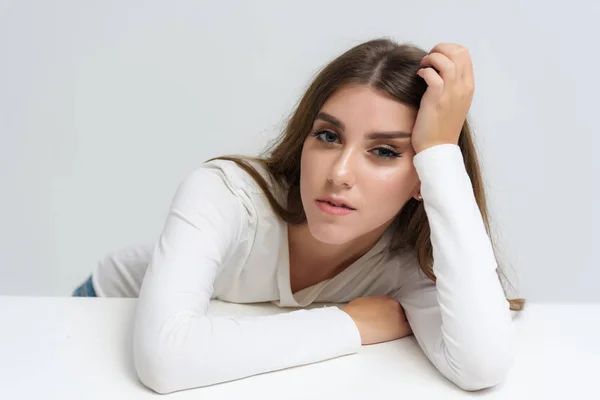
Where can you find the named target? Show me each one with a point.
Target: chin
(331, 233)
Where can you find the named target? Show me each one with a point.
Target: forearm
(464, 260)
(463, 322)
(184, 349)
(178, 346)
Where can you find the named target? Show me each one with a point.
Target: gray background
(105, 105)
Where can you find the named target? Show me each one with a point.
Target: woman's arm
(176, 345)
(462, 322)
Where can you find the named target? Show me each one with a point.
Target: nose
(341, 172)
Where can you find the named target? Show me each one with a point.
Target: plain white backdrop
(106, 105)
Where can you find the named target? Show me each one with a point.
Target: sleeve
(176, 344)
(462, 321)
(120, 272)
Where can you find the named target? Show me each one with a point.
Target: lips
(336, 202)
(334, 210)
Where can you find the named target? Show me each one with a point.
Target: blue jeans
(85, 290)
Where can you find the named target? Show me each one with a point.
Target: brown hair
(387, 66)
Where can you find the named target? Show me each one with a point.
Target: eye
(384, 152)
(326, 136)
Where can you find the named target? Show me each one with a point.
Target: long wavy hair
(390, 67)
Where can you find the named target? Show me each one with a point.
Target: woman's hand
(378, 319)
(448, 97)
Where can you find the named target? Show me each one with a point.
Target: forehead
(364, 107)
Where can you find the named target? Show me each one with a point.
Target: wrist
(348, 312)
(422, 147)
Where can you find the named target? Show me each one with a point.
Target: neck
(329, 259)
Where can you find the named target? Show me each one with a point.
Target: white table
(80, 348)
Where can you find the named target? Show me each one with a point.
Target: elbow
(484, 370)
(484, 376)
(165, 361)
(158, 366)
(486, 362)
(153, 370)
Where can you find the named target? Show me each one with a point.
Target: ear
(417, 192)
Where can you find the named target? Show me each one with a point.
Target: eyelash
(319, 132)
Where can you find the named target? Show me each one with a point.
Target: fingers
(432, 78)
(459, 55)
(439, 61)
(453, 62)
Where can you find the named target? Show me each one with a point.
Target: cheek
(309, 166)
(387, 191)
(307, 172)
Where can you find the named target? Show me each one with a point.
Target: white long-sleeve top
(221, 240)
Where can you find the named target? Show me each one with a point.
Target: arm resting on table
(462, 321)
(176, 345)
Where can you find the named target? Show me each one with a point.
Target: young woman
(372, 197)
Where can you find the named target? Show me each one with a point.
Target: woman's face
(359, 153)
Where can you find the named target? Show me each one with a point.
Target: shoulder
(236, 177)
(230, 179)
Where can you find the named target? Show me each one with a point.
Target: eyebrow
(371, 136)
